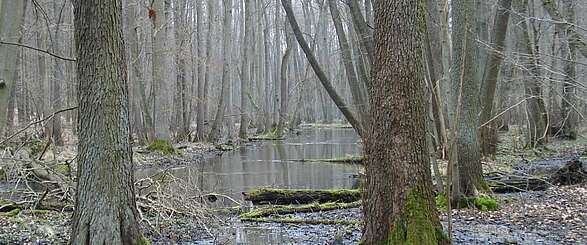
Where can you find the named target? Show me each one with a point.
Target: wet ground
(555, 216)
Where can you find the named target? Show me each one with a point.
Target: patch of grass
(486, 203)
(162, 146)
(441, 202)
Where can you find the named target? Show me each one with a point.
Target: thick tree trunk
(351, 118)
(105, 210)
(158, 105)
(226, 44)
(399, 205)
(201, 97)
(498, 34)
(467, 170)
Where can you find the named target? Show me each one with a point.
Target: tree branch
(38, 49)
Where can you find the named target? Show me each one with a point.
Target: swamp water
(276, 164)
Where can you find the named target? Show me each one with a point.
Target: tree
(226, 43)
(10, 24)
(467, 171)
(245, 70)
(157, 99)
(105, 209)
(342, 106)
(398, 206)
(495, 57)
(535, 107)
(569, 113)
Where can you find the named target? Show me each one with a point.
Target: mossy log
(346, 159)
(262, 214)
(290, 209)
(301, 196)
(507, 184)
(303, 221)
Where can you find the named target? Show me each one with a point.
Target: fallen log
(291, 209)
(301, 196)
(262, 214)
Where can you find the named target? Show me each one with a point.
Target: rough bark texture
(398, 202)
(105, 210)
(467, 171)
(498, 34)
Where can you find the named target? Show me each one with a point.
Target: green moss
(270, 134)
(415, 226)
(289, 209)
(441, 202)
(37, 212)
(10, 213)
(303, 221)
(144, 241)
(162, 146)
(36, 147)
(486, 203)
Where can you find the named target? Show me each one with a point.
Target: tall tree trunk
(399, 205)
(467, 171)
(160, 120)
(59, 11)
(495, 56)
(11, 20)
(537, 120)
(350, 117)
(284, 84)
(245, 70)
(226, 44)
(201, 70)
(137, 77)
(105, 209)
(569, 103)
(355, 86)
(574, 37)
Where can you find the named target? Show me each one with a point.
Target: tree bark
(226, 43)
(105, 209)
(467, 170)
(495, 57)
(537, 118)
(245, 70)
(399, 205)
(575, 38)
(569, 101)
(10, 25)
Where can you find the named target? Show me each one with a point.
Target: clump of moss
(162, 146)
(415, 225)
(441, 202)
(144, 241)
(486, 203)
(10, 213)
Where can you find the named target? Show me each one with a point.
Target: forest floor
(555, 216)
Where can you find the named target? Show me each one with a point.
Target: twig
(37, 49)
(36, 122)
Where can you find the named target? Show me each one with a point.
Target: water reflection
(270, 164)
